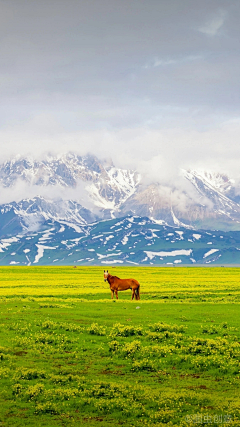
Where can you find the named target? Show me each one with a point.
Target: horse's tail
(138, 292)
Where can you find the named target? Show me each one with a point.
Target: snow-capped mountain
(203, 203)
(107, 186)
(207, 201)
(220, 191)
(110, 216)
(31, 215)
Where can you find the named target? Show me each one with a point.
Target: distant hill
(131, 240)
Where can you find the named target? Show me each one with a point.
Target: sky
(154, 84)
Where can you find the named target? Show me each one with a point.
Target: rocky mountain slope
(108, 187)
(31, 214)
(110, 216)
(97, 189)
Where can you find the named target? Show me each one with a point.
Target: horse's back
(132, 282)
(123, 284)
(135, 282)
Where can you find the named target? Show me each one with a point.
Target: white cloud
(158, 153)
(157, 62)
(81, 85)
(212, 26)
(23, 190)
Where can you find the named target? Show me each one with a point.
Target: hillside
(131, 240)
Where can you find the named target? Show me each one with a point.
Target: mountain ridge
(130, 240)
(207, 201)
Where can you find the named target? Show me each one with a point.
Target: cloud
(32, 222)
(212, 26)
(73, 78)
(158, 153)
(24, 190)
(157, 62)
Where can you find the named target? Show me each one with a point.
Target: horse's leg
(137, 296)
(116, 293)
(112, 293)
(133, 292)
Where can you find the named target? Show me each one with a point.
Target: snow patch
(197, 236)
(40, 252)
(4, 243)
(212, 251)
(112, 262)
(125, 240)
(100, 256)
(72, 225)
(180, 233)
(131, 262)
(151, 255)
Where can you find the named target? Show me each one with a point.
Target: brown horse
(117, 284)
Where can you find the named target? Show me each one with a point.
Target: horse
(117, 284)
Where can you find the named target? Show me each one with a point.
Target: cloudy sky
(152, 84)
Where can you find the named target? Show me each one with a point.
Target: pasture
(69, 355)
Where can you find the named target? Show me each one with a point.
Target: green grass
(71, 356)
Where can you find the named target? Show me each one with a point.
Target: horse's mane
(116, 277)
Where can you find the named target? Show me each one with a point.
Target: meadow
(69, 355)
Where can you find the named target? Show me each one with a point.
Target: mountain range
(75, 199)
(131, 240)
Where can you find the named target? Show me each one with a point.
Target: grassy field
(71, 356)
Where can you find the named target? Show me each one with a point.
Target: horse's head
(105, 275)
